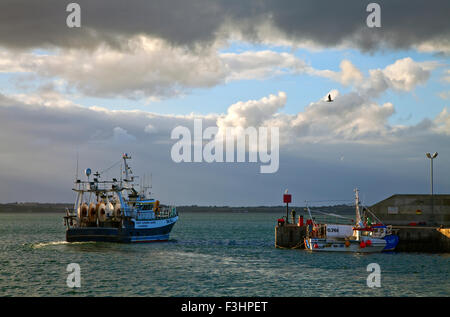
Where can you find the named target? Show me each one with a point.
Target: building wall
(418, 209)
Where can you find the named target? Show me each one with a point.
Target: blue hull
(123, 235)
(391, 242)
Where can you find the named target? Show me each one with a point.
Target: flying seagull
(329, 98)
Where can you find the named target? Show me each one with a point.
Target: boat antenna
(76, 175)
(142, 186)
(88, 172)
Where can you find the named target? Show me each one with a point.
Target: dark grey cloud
(25, 24)
(43, 23)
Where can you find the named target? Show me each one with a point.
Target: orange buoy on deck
(101, 211)
(83, 211)
(92, 213)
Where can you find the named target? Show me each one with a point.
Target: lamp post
(432, 157)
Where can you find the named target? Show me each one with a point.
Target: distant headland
(33, 207)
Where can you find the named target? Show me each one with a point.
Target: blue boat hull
(123, 235)
(391, 242)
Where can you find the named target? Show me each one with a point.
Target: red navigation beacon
(287, 198)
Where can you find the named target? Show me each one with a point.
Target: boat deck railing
(167, 212)
(163, 213)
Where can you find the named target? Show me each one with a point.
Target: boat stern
(391, 242)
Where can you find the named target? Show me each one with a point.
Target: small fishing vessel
(114, 211)
(363, 237)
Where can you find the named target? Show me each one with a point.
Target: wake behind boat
(363, 237)
(114, 211)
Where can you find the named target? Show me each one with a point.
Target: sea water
(209, 254)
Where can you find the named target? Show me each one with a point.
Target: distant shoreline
(60, 208)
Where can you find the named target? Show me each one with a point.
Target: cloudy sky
(135, 70)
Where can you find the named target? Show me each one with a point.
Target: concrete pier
(422, 239)
(289, 236)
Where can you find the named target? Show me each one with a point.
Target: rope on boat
(328, 200)
(376, 218)
(105, 170)
(329, 214)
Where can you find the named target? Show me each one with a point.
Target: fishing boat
(361, 237)
(115, 211)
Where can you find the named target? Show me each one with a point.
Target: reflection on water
(45, 244)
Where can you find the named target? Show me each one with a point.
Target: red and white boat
(362, 237)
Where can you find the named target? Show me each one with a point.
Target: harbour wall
(422, 223)
(407, 210)
(289, 236)
(422, 239)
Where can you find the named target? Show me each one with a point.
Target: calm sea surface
(214, 254)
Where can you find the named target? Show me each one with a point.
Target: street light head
(429, 155)
(435, 154)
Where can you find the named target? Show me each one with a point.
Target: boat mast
(76, 175)
(309, 211)
(127, 179)
(125, 157)
(129, 189)
(77, 187)
(358, 214)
